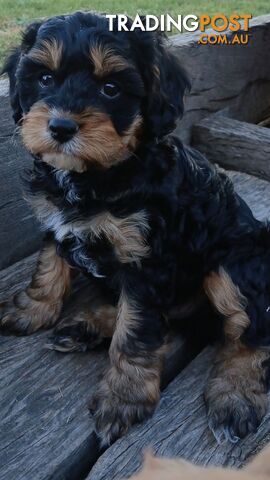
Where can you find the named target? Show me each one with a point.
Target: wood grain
(234, 145)
(255, 191)
(20, 234)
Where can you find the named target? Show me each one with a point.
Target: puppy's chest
(125, 235)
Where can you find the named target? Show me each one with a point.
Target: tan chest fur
(127, 235)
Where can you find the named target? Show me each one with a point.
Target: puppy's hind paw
(23, 315)
(15, 319)
(68, 338)
(65, 344)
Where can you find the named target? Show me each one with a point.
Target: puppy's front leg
(130, 390)
(40, 304)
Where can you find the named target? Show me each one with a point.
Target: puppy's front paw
(233, 415)
(113, 417)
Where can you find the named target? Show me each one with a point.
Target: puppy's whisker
(15, 135)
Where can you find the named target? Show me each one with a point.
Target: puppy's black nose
(62, 129)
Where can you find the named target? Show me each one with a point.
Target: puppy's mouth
(73, 141)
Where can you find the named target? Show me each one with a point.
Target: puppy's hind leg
(39, 305)
(235, 395)
(89, 328)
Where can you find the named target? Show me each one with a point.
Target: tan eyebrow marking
(48, 54)
(105, 61)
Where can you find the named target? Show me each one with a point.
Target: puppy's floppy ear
(10, 68)
(11, 65)
(167, 84)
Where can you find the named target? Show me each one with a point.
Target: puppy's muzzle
(62, 129)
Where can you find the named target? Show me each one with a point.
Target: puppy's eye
(110, 90)
(46, 80)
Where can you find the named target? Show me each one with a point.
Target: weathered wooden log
(20, 234)
(255, 191)
(234, 77)
(179, 429)
(234, 145)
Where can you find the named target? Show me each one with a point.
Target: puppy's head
(83, 94)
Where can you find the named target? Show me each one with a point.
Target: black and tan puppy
(152, 222)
